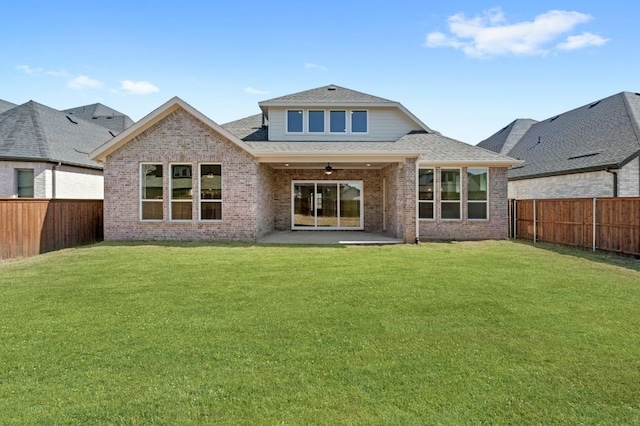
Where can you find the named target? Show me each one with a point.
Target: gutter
(615, 180)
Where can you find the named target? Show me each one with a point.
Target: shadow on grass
(195, 244)
(615, 259)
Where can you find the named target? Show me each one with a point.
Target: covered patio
(329, 237)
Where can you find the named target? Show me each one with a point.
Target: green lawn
(468, 333)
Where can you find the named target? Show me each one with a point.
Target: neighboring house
(44, 153)
(4, 106)
(103, 116)
(591, 151)
(324, 159)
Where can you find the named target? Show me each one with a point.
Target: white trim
(324, 121)
(286, 121)
(488, 218)
(350, 129)
(171, 201)
(459, 219)
(346, 121)
(210, 200)
(315, 189)
(141, 200)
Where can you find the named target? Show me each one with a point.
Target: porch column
(409, 200)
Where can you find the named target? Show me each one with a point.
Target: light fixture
(328, 170)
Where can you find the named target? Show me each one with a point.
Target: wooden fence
(572, 222)
(33, 226)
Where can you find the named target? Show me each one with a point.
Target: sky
(464, 68)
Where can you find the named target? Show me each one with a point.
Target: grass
(484, 332)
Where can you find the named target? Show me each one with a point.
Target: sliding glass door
(327, 205)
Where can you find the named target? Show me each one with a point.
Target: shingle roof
(4, 105)
(103, 116)
(505, 139)
(248, 129)
(326, 95)
(603, 134)
(36, 132)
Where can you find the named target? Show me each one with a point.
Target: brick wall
(629, 179)
(496, 227)
(577, 185)
(181, 138)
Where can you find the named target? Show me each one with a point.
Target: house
(591, 151)
(103, 116)
(329, 158)
(44, 153)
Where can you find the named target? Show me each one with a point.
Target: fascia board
(100, 153)
(469, 163)
(372, 156)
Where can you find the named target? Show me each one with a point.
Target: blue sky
(465, 68)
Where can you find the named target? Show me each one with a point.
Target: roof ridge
(43, 142)
(634, 116)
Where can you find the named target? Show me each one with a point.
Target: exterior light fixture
(328, 170)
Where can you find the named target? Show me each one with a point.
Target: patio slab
(328, 237)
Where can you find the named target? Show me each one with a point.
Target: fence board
(32, 226)
(570, 222)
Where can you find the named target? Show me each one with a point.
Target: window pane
(425, 190)
(180, 211)
(426, 210)
(477, 184)
(450, 210)
(350, 204)
(25, 184)
(210, 210)
(338, 121)
(181, 183)
(359, 121)
(450, 184)
(211, 182)
(477, 210)
(294, 121)
(151, 210)
(151, 181)
(316, 121)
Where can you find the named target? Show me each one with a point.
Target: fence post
(515, 219)
(594, 224)
(535, 226)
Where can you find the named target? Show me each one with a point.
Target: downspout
(53, 179)
(615, 181)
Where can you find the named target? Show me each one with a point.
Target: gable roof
(505, 139)
(336, 96)
(35, 132)
(597, 136)
(103, 116)
(4, 105)
(155, 116)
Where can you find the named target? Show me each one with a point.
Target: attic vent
(69, 118)
(94, 118)
(593, 104)
(519, 166)
(109, 118)
(331, 88)
(111, 133)
(554, 118)
(591, 154)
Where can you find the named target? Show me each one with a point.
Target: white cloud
(138, 87)
(581, 41)
(253, 91)
(83, 82)
(490, 35)
(59, 73)
(28, 70)
(311, 66)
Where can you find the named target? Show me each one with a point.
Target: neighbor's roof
(504, 140)
(35, 132)
(103, 116)
(603, 134)
(334, 96)
(4, 106)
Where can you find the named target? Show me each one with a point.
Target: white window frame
(366, 111)
(209, 200)
(33, 181)
(171, 200)
(145, 200)
(346, 120)
(327, 228)
(432, 202)
(286, 121)
(459, 202)
(324, 123)
(479, 201)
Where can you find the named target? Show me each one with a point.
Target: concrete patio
(328, 237)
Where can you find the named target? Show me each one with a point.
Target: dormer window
(316, 121)
(294, 121)
(358, 121)
(338, 121)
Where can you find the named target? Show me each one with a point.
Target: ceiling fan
(328, 170)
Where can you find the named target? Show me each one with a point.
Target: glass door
(327, 205)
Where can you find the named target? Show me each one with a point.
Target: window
(450, 193)
(210, 192)
(294, 121)
(477, 194)
(25, 183)
(151, 195)
(359, 121)
(425, 193)
(337, 121)
(316, 121)
(181, 192)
